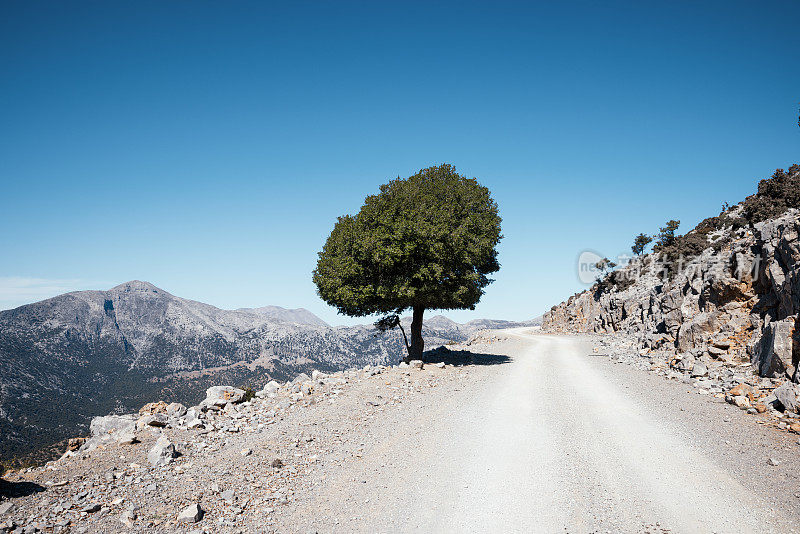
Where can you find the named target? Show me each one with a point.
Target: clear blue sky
(207, 147)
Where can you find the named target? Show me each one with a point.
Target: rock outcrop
(737, 300)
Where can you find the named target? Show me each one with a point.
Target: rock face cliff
(89, 353)
(734, 296)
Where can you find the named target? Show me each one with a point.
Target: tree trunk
(417, 343)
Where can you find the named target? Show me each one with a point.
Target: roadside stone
(175, 410)
(157, 420)
(221, 396)
(127, 437)
(103, 428)
(741, 401)
(773, 462)
(277, 462)
(191, 514)
(699, 370)
(269, 390)
(740, 389)
(716, 352)
(162, 452)
(153, 407)
(773, 354)
(127, 518)
(415, 364)
(786, 397)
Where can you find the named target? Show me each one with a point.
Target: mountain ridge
(88, 353)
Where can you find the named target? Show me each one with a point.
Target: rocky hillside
(91, 353)
(727, 290)
(229, 464)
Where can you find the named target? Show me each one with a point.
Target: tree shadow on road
(462, 357)
(10, 489)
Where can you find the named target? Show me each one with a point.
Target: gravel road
(559, 440)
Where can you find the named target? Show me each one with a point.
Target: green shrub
(775, 195)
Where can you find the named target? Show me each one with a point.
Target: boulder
(126, 437)
(109, 424)
(740, 389)
(191, 514)
(157, 420)
(741, 401)
(111, 429)
(153, 407)
(415, 364)
(772, 354)
(716, 352)
(192, 419)
(699, 370)
(162, 452)
(723, 344)
(176, 410)
(269, 390)
(127, 518)
(221, 396)
(786, 396)
(302, 377)
(696, 330)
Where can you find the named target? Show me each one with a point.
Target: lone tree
(640, 242)
(423, 242)
(666, 234)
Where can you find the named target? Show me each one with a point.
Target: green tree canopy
(423, 242)
(640, 242)
(666, 235)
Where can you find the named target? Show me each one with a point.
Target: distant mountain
(86, 353)
(297, 315)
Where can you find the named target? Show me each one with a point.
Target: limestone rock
(221, 396)
(127, 518)
(162, 452)
(153, 407)
(773, 354)
(786, 396)
(191, 514)
(269, 390)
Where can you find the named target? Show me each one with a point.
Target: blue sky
(208, 147)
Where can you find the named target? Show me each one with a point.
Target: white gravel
(555, 441)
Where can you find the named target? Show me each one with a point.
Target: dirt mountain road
(559, 440)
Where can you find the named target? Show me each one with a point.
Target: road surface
(559, 440)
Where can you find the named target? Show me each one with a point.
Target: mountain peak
(137, 285)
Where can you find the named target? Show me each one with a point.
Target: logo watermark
(591, 266)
